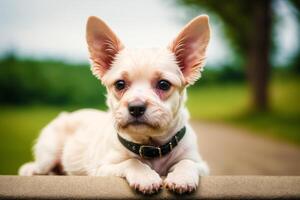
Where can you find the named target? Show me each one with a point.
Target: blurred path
(232, 151)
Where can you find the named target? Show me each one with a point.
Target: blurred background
(248, 96)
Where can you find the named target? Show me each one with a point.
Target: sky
(56, 28)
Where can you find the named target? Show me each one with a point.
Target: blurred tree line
(28, 81)
(249, 24)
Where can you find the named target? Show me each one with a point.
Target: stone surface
(84, 187)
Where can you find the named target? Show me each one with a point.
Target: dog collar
(150, 151)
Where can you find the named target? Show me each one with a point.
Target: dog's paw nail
(180, 186)
(173, 186)
(180, 190)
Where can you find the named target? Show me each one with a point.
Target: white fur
(85, 142)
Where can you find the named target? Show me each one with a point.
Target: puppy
(146, 133)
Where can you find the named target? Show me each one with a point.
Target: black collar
(149, 151)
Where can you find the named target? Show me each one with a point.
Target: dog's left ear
(103, 45)
(190, 46)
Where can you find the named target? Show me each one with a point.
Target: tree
(248, 25)
(296, 61)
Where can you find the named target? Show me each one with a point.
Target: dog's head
(146, 87)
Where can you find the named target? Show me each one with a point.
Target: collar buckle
(141, 152)
(170, 146)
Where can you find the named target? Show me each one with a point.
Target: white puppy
(145, 134)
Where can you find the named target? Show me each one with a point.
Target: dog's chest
(162, 165)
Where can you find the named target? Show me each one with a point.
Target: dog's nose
(136, 110)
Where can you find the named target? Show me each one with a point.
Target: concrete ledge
(83, 187)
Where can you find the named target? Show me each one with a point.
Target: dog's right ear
(103, 45)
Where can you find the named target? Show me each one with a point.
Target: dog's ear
(190, 46)
(103, 45)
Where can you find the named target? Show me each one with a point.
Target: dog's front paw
(146, 183)
(181, 182)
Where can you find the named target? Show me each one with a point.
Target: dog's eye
(163, 85)
(120, 84)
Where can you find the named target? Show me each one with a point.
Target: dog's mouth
(138, 123)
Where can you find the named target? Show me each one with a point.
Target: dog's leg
(184, 176)
(139, 175)
(47, 150)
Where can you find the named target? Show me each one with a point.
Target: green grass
(215, 102)
(230, 103)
